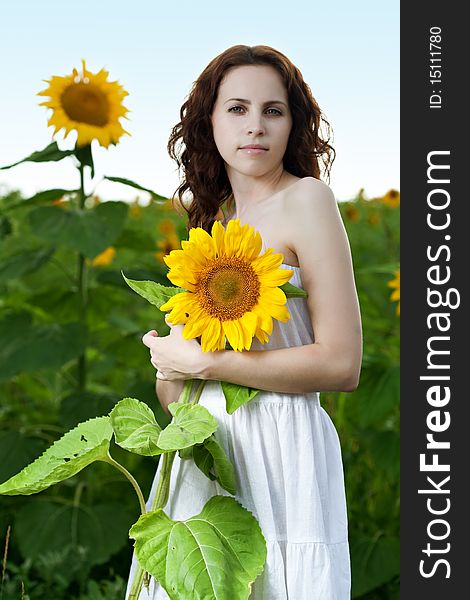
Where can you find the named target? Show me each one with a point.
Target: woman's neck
(248, 195)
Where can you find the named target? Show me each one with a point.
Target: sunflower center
(228, 288)
(86, 103)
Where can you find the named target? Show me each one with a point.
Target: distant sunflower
(395, 295)
(87, 103)
(105, 258)
(232, 292)
(170, 242)
(391, 198)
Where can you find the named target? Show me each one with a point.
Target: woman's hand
(174, 357)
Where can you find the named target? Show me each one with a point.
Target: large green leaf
(99, 530)
(74, 451)
(49, 153)
(236, 395)
(17, 265)
(25, 347)
(191, 424)
(215, 555)
(210, 456)
(88, 231)
(135, 427)
(373, 562)
(155, 293)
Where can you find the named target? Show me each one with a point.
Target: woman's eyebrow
(249, 102)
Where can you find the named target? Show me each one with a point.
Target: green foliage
(89, 232)
(191, 424)
(155, 293)
(42, 337)
(78, 448)
(215, 554)
(236, 395)
(211, 459)
(135, 427)
(49, 153)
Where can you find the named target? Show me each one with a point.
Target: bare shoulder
(310, 209)
(308, 194)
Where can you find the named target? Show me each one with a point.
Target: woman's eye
(233, 109)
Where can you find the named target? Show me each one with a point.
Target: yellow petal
(218, 235)
(210, 338)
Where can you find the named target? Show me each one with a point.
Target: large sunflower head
(232, 290)
(88, 103)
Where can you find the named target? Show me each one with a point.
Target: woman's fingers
(148, 338)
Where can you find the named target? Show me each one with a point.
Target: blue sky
(348, 53)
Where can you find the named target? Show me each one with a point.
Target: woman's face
(252, 109)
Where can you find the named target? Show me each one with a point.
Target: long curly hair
(192, 146)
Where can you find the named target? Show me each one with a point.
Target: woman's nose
(255, 126)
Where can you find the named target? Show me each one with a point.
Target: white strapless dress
(289, 474)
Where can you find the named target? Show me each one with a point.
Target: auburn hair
(192, 146)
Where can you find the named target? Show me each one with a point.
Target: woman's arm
(168, 392)
(311, 226)
(298, 370)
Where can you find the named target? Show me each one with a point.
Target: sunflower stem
(163, 489)
(109, 459)
(82, 291)
(198, 393)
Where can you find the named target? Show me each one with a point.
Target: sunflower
(395, 295)
(170, 242)
(88, 103)
(232, 291)
(391, 198)
(105, 258)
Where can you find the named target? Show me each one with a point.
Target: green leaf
(215, 555)
(137, 186)
(210, 456)
(17, 265)
(203, 459)
(27, 347)
(222, 465)
(40, 197)
(74, 451)
(155, 293)
(379, 394)
(373, 562)
(135, 427)
(291, 291)
(191, 424)
(99, 530)
(186, 453)
(49, 153)
(85, 156)
(236, 395)
(89, 231)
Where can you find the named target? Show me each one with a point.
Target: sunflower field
(70, 348)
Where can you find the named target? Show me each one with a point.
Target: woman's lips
(253, 151)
